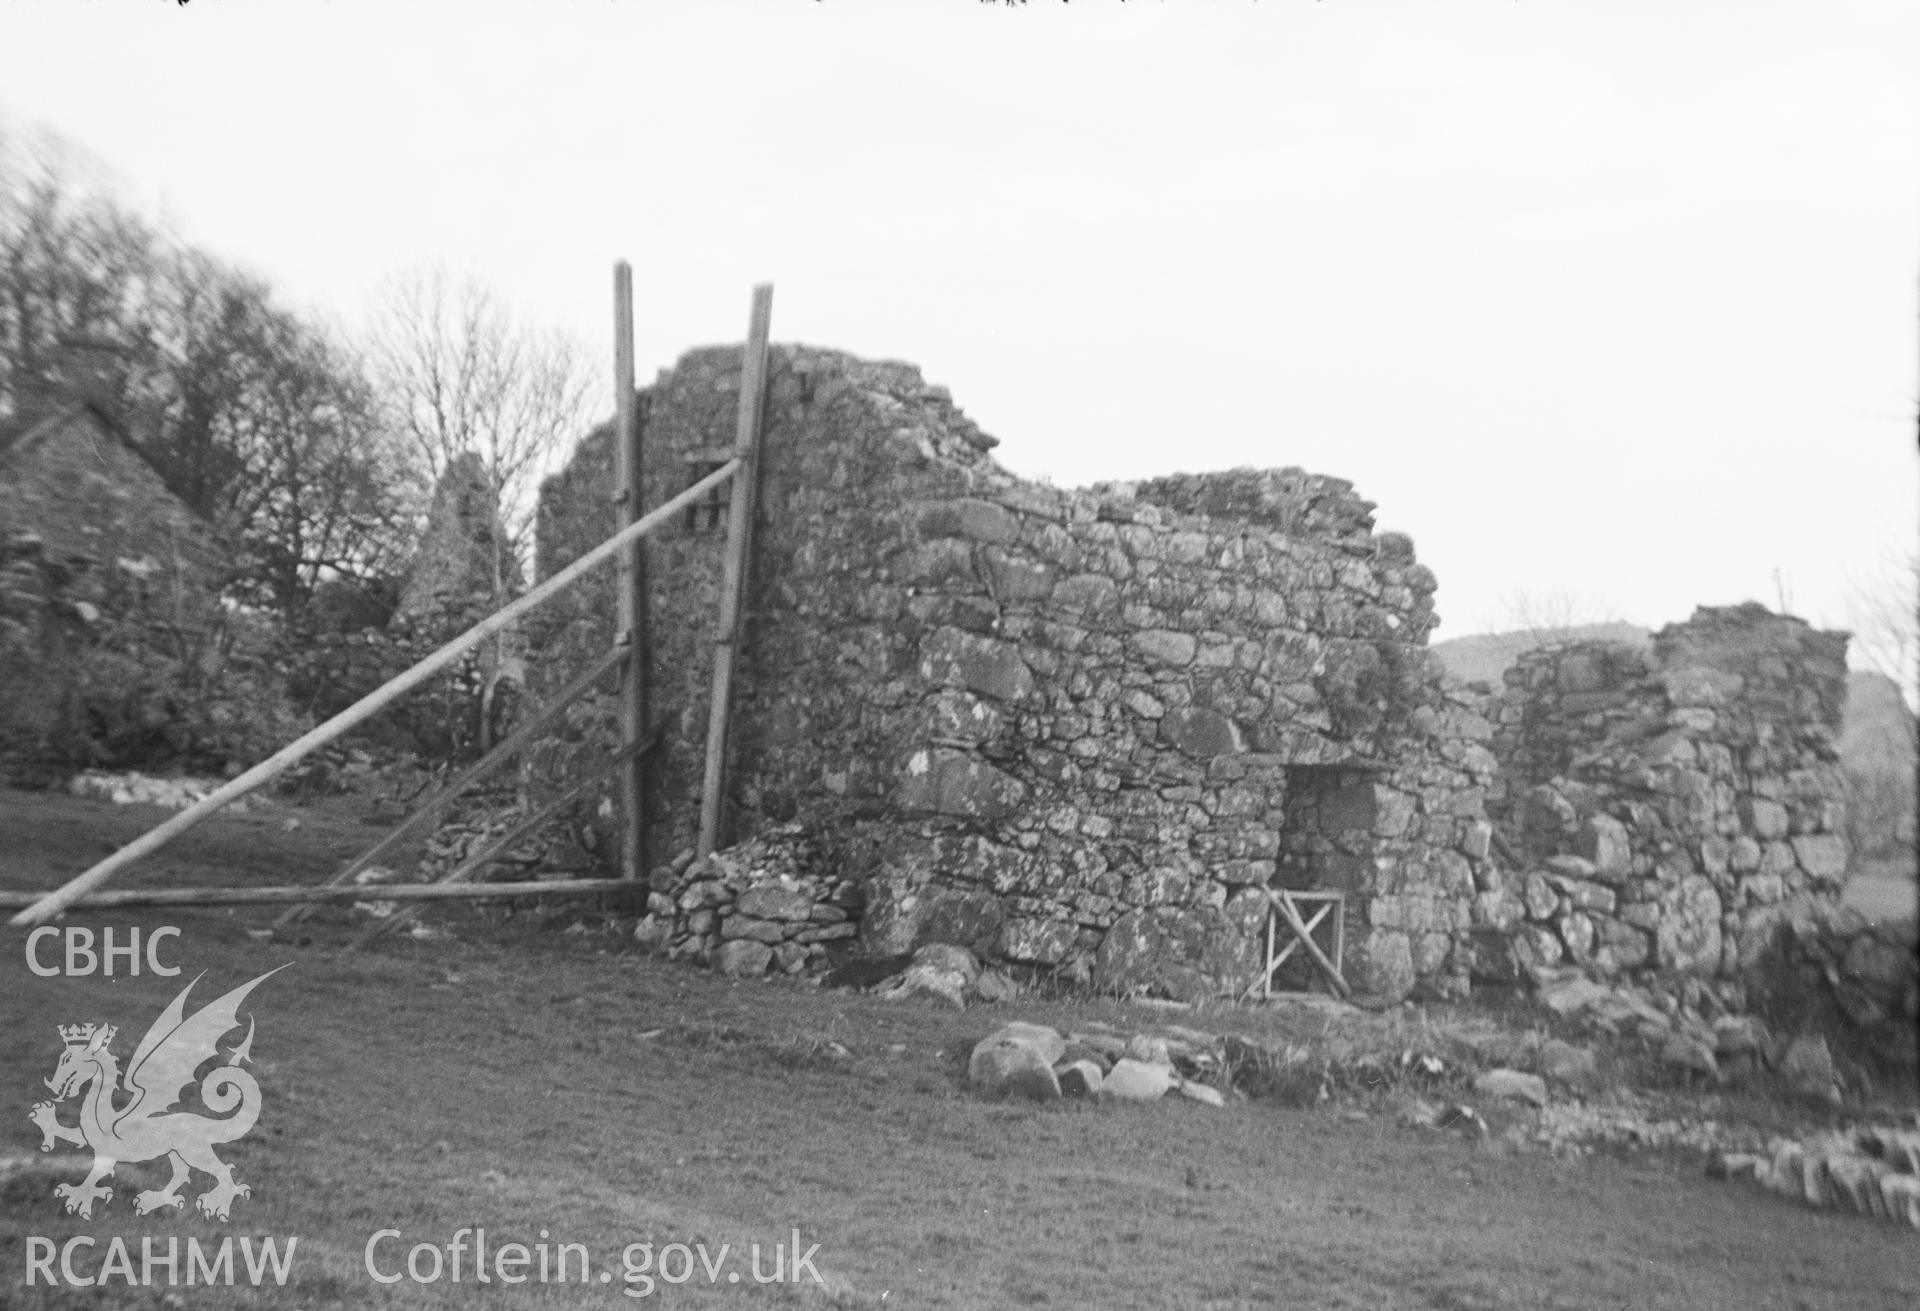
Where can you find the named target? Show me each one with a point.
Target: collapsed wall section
(1665, 805)
(1072, 729)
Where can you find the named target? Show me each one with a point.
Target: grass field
(521, 1077)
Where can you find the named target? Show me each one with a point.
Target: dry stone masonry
(1063, 729)
(1666, 805)
(1871, 1172)
(1082, 731)
(765, 904)
(110, 620)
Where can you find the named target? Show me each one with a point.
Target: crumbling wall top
(1289, 500)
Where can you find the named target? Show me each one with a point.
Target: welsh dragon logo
(149, 1125)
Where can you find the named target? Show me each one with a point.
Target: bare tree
(1883, 611)
(258, 420)
(1881, 748)
(465, 383)
(270, 426)
(462, 377)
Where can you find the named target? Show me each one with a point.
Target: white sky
(1611, 302)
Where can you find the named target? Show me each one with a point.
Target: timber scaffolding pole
(630, 591)
(629, 757)
(737, 570)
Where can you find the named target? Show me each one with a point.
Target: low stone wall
(1872, 1172)
(1659, 805)
(764, 905)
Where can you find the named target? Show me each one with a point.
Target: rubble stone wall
(1662, 807)
(75, 484)
(1828, 967)
(1066, 728)
(769, 903)
(109, 610)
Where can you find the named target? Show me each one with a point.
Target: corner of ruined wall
(848, 444)
(1662, 804)
(1063, 726)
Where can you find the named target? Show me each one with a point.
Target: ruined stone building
(91, 542)
(76, 483)
(1663, 804)
(1078, 729)
(465, 562)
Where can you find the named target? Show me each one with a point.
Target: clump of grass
(1286, 1073)
(708, 1033)
(811, 1051)
(819, 1048)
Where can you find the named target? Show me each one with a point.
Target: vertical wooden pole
(1266, 981)
(733, 582)
(630, 587)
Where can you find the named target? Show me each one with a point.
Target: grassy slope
(516, 1079)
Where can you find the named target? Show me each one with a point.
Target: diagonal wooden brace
(521, 736)
(1283, 904)
(494, 849)
(1285, 954)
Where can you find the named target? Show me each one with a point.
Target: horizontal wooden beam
(499, 846)
(522, 735)
(358, 892)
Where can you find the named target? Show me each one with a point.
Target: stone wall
(1066, 727)
(466, 556)
(1662, 806)
(114, 649)
(77, 485)
(1816, 965)
(769, 903)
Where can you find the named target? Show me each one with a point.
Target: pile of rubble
(136, 789)
(762, 905)
(474, 823)
(340, 768)
(1872, 1172)
(1623, 1118)
(935, 969)
(1697, 1032)
(1097, 1061)
(1835, 964)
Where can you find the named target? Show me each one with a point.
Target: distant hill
(1484, 657)
(1878, 730)
(1880, 749)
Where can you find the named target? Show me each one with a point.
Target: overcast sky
(1611, 306)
